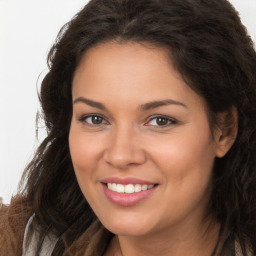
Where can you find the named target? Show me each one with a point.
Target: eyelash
(170, 121)
(83, 119)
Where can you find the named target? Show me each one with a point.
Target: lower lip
(125, 199)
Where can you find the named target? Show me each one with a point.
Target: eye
(93, 120)
(160, 121)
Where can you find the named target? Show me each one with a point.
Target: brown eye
(162, 121)
(159, 121)
(96, 119)
(93, 120)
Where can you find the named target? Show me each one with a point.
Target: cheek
(84, 159)
(179, 154)
(84, 149)
(84, 155)
(186, 168)
(186, 163)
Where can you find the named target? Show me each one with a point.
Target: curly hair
(212, 51)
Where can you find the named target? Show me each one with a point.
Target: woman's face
(137, 125)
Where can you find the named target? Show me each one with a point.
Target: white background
(27, 30)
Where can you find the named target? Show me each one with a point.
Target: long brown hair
(212, 51)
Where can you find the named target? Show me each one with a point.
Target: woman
(150, 108)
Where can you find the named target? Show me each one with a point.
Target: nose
(124, 149)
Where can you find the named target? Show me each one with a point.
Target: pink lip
(126, 181)
(124, 199)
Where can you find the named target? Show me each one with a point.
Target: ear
(226, 131)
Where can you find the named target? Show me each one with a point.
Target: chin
(128, 231)
(128, 227)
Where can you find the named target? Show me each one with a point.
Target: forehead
(124, 55)
(129, 71)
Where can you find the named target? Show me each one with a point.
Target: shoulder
(13, 219)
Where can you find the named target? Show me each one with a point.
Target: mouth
(129, 191)
(129, 188)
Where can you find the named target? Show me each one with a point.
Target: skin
(129, 142)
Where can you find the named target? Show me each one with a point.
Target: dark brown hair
(212, 51)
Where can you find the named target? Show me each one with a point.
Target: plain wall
(28, 28)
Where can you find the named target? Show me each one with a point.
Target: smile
(130, 188)
(122, 193)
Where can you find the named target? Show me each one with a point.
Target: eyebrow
(91, 103)
(143, 107)
(160, 103)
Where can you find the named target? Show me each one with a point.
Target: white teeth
(130, 188)
(119, 188)
(144, 187)
(137, 188)
(113, 187)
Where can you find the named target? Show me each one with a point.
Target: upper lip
(126, 181)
